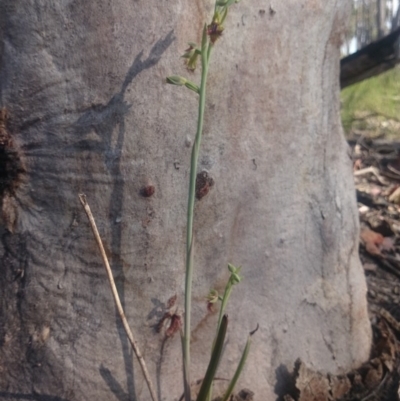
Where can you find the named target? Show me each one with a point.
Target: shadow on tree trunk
(104, 119)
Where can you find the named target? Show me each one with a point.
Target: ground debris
(377, 379)
(376, 164)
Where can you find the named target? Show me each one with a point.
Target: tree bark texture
(86, 109)
(381, 18)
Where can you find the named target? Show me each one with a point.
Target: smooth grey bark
(83, 85)
(381, 18)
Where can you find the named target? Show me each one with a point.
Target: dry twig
(371, 170)
(118, 304)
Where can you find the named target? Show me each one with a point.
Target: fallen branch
(118, 304)
(372, 60)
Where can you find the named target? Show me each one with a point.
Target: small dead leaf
(340, 385)
(313, 386)
(174, 326)
(394, 166)
(171, 302)
(375, 191)
(357, 165)
(389, 190)
(371, 240)
(374, 374)
(372, 249)
(392, 322)
(395, 196)
(369, 267)
(380, 224)
(387, 244)
(368, 235)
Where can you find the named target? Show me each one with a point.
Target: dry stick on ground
(372, 170)
(118, 304)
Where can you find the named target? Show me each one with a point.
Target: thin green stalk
(210, 34)
(234, 279)
(227, 293)
(190, 211)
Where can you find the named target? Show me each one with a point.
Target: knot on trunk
(11, 168)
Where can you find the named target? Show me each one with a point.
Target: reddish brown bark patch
(147, 191)
(203, 184)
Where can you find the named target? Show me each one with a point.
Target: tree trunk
(381, 18)
(396, 19)
(85, 109)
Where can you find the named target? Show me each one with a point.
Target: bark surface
(86, 110)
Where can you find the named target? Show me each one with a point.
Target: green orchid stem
(234, 278)
(224, 301)
(225, 298)
(205, 53)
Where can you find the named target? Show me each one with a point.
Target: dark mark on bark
(11, 168)
(203, 184)
(10, 163)
(147, 191)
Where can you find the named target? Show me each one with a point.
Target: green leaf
(185, 371)
(213, 296)
(236, 278)
(240, 367)
(226, 3)
(231, 268)
(239, 370)
(224, 14)
(214, 361)
(176, 80)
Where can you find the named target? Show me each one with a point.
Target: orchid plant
(211, 33)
